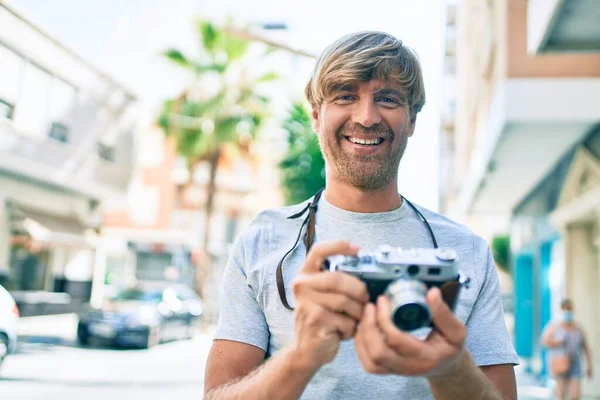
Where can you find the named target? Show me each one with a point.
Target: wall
(522, 65)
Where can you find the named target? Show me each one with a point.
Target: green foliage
(303, 167)
(501, 252)
(202, 122)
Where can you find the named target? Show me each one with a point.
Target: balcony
(531, 125)
(563, 26)
(60, 164)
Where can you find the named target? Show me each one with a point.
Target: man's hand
(384, 349)
(328, 305)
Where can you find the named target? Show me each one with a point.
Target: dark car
(143, 316)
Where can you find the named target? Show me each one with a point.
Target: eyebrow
(389, 91)
(384, 91)
(348, 87)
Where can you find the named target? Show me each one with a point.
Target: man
(567, 340)
(365, 93)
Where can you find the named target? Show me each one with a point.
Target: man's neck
(350, 198)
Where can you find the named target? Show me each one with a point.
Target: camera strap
(309, 236)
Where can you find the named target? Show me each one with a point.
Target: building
(160, 234)
(66, 148)
(525, 154)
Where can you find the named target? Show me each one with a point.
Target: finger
(344, 325)
(332, 282)
(366, 331)
(320, 251)
(377, 348)
(402, 342)
(337, 303)
(444, 320)
(319, 321)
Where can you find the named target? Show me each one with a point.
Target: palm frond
(177, 57)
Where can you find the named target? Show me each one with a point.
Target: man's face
(363, 129)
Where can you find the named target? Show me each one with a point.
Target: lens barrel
(409, 308)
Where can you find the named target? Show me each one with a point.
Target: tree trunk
(203, 278)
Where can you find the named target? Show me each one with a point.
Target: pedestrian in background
(566, 341)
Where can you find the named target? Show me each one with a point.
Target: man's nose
(366, 113)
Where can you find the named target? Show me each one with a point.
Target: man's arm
(471, 382)
(236, 371)
(328, 306)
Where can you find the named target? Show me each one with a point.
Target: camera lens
(409, 309)
(411, 316)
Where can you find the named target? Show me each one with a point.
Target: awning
(56, 230)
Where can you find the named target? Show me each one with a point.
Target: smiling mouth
(365, 142)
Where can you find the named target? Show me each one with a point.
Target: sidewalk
(529, 387)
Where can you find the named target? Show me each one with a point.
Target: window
(6, 109)
(106, 152)
(151, 266)
(59, 132)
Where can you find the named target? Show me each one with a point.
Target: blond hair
(362, 56)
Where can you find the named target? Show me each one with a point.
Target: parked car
(143, 316)
(9, 317)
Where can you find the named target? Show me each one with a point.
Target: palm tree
(221, 107)
(303, 167)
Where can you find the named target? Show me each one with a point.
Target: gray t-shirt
(251, 310)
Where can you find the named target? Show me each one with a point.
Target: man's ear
(316, 121)
(411, 126)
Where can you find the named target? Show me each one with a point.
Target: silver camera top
(387, 262)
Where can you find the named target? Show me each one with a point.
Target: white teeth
(364, 141)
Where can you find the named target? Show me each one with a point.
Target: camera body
(405, 276)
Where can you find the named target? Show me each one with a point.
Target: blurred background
(139, 138)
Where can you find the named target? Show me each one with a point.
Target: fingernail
(436, 294)
(354, 247)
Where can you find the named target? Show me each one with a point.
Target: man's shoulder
(276, 215)
(450, 228)
(269, 219)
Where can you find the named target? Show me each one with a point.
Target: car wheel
(83, 336)
(153, 337)
(3, 348)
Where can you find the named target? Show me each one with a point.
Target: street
(50, 365)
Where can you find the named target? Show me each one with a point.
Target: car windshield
(150, 296)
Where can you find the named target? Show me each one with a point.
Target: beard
(365, 172)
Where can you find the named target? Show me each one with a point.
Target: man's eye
(345, 97)
(388, 100)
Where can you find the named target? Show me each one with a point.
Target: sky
(124, 39)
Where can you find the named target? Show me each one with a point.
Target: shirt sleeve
(241, 318)
(488, 340)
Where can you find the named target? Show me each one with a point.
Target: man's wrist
(453, 369)
(300, 362)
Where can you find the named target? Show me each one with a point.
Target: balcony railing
(52, 161)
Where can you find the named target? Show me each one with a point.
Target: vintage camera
(405, 275)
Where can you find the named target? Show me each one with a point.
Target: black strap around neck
(309, 237)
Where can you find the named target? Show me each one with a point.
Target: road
(50, 365)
